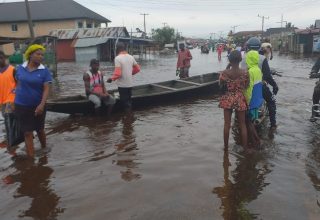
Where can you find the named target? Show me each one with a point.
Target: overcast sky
(201, 17)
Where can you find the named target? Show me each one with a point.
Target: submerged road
(168, 162)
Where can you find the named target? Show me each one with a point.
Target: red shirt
(184, 58)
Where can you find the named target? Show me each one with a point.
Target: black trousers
(316, 93)
(125, 97)
(271, 104)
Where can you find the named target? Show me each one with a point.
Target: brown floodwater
(168, 162)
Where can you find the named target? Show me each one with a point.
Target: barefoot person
(183, 63)
(7, 83)
(7, 87)
(33, 80)
(220, 50)
(236, 81)
(95, 88)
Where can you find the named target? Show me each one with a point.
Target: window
(80, 24)
(14, 27)
(89, 25)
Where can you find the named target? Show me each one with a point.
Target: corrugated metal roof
(88, 42)
(169, 45)
(307, 31)
(47, 10)
(110, 32)
(245, 33)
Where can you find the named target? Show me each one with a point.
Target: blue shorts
(253, 114)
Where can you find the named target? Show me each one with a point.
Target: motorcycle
(263, 111)
(315, 110)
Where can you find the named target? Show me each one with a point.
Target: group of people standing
(24, 91)
(246, 81)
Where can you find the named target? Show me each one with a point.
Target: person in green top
(253, 93)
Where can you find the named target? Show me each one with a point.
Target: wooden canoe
(144, 95)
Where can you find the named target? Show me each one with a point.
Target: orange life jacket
(7, 86)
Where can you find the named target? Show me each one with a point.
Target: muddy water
(168, 162)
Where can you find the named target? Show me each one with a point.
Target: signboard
(317, 25)
(316, 43)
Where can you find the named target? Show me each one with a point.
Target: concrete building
(46, 15)
(280, 38)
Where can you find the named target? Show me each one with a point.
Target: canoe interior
(206, 78)
(152, 89)
(69, 99)
(174, 85)
(142, 95)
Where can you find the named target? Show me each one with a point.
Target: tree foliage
(165, 35)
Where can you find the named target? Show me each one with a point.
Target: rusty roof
(307, 31)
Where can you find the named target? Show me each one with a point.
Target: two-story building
(46, 15)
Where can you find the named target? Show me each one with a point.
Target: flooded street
(168, 162)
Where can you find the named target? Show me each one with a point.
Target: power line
(234, 5)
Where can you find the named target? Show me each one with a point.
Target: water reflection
(248, 182)
(126, 149)
(313, 165)
(34, 179)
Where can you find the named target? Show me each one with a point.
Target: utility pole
(164, 24)
(221, 32)
(234, 28)
(29, 19)
(282, 21)
(263, 18)
(144, 22)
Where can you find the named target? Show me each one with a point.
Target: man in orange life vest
(7, 88)
(7, 85)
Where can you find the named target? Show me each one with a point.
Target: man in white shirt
(125, 67)
(266, 49)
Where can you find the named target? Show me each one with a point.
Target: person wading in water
(235, 81)
(7, 91)
(125, 67)
(183, 63)
(31, 95)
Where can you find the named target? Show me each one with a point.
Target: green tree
(165, 35)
